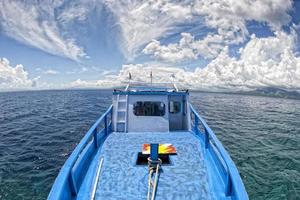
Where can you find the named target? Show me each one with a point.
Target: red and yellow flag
(162, 149)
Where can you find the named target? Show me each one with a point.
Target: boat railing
(232, 178)
(142, 86)
(74, 170)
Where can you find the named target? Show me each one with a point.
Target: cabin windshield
(149, 108)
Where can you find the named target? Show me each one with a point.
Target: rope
(153, 166)
(149, 183)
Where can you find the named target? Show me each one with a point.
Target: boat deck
(202, 168)
(120, 178)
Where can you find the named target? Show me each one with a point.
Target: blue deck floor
(121, 178)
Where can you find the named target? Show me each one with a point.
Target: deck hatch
(142, 159)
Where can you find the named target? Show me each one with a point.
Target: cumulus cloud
(187, 48)
(228, 19)
(106, 83)
(257, 67)
(36, 24)
(263, 62)
(14, 77)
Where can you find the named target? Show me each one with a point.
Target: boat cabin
(150, 109)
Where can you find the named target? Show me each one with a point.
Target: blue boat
(149, 144)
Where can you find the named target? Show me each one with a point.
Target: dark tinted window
(149, 108)
(174, 107)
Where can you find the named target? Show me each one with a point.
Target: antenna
(151, 76)
(129, 79)
(172, 78)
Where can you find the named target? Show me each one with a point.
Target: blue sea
(39, 130)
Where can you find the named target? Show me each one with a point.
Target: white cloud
(77, 10)
(84, 69)
(263, 62)
(142, 21)
(229, 19)
(186, 49)
(35, 24)
(49, 26)
(93, 84)
(108, 72)
(224, 14)
(12, 78)
(51, 72)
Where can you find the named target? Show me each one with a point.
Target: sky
(198, 44)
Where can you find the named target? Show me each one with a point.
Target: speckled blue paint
(121, 178)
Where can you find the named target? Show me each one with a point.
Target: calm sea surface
(39, 130)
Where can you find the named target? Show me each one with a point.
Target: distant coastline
(265, 92)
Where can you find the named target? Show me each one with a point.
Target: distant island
(274, 92)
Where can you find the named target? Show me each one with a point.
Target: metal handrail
(208, 134)
(96, 179)
(65, 172)
(231, 171)
(92, 131)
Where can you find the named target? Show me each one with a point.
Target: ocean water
(39, 130)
